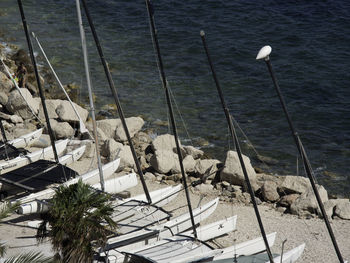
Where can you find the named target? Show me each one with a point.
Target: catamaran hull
(44, 154)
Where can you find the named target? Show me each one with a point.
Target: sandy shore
(20, 237)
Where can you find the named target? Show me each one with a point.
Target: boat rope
(19, 90)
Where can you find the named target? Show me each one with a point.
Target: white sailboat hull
(27, 139)
(20, 161)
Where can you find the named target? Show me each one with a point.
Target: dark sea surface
(310, 54)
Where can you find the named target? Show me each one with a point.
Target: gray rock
(150, 176)
(342, 210)
(66, 112)
(163, 161)
(101, 136)
(165, 142)
(203, 165)
(108, 126)
(16, 119)
(5, 83)
(134, 125)
(51, 106)
(17, 105)
(189, 164)
(306, 203)
(109, 147)
(233, 172)
(205, 189)
(293, 184)
(269, 191)
(61, 130)
(287, 200)
(194, 152)
(126, 158)
(3, 98)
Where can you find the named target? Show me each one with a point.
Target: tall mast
(264, 54)
(88, 81)
(238, 148)
(165, 86)
(115, 96)
(30, 47)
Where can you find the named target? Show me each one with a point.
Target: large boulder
(163, 161)
(330, 205)
(17, 105)
(342, 210)
(269, 191)
(194, 152)
(165, 142)
(134, 125)
(51, 106)
(189, 164)
(233, 173)
(306, 203)
(203, 165)
(3, 98)
(5, 83)
(101, 136)
(108, 126)
(66, 112)
(288, 200)
(61, 130)
(293, 184)
(112, 149)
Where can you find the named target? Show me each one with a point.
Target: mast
(238, 148)
(88, 80)
(264, 54)
(165, 86)
(30, 47)
(81, 123)
(115, 96)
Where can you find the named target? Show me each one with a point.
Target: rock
(189, 164)
(16, 119)
(342, 210)
(163, 161)
(22, 56)
(263, 177)
(287, 200)
(101, 136)
(112, 150)
(293, 185)
(108, 126)
(61, 130)
(3, 98)
(281, 209)
(126, 158)
(150, 176)
(203, 165)
(141, 141)
(233, 172)
(51, 106)
(269, 191)
(90, 150)
(165, 142)
(306, 203)
(134, 125)
(143, 162)
(17, 105)
(66, 112)
(329, 207)
(109, 147)
(205, 189)
(194, 152)
(5, 83)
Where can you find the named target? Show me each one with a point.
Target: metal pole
(88, 80)
(30, 47)
(239, 153)
(115, 95)
(165, 86)
(304, 158)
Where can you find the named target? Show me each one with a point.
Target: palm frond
(30, 257)
(3, 249)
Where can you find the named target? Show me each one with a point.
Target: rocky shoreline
(158, 158)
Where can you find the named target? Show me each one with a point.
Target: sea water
(310, 56)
